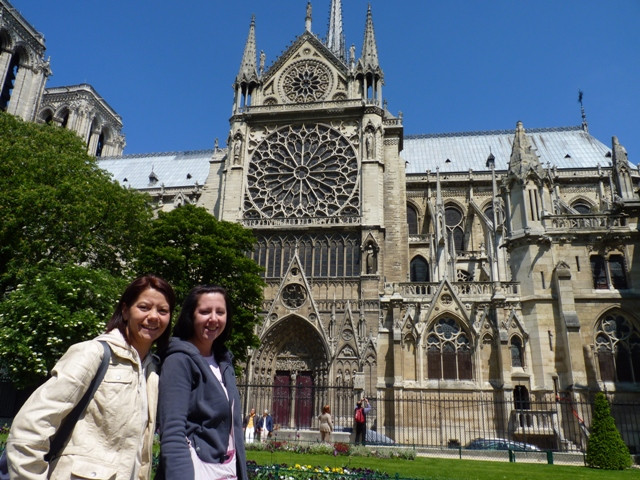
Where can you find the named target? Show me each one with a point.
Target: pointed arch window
(100, 145)
(419, 270)
(454, 220)
(521, 399)
(582, 207)
(499, 213)
(320, 255)
(617, 344)
(448, 351)
(463, 276)
(517, 354)
(609, 272)
(10, 78)
(412, 220)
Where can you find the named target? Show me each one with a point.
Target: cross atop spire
(335, 36)
(248, 72)
(585, 125)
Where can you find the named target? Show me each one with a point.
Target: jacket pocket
(85, 470)
(119, 375)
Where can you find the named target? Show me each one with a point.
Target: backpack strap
(69, 423)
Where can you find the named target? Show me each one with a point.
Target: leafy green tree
(188, 246)
(57, 206)
(55, 308)
(605, 448)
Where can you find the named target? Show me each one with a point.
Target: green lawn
(446, 469)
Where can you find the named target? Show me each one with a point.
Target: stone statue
(237, 145)
(372, 261)
(369, 143)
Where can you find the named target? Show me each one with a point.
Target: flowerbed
(335, 449)
(309, 472)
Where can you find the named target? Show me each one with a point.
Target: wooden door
(281, 408)
(304, 400)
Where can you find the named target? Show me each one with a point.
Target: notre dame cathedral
(496, 265)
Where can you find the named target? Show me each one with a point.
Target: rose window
(306, 81)
(303, 171)
(294, 295)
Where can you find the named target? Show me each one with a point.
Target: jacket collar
(120, 347)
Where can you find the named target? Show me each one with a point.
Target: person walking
(326, 424)
(360, 419)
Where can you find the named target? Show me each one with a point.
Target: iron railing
(438, 419)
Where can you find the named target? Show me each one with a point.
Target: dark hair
(131, 294)
(184, 325)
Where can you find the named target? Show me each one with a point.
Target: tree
(58, 207)
(605, 448)
(68, 237)
(188, 246)
(55, 308)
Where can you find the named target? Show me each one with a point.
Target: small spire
(369, 59)
(585, 125)
(248, 72)
(523, 158)
(335, 35)
(307, 20)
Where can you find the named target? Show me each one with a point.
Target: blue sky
(167, 67)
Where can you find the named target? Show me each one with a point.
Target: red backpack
(359, 415)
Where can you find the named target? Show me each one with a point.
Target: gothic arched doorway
(293, 361)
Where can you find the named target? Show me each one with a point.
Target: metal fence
(435, 419)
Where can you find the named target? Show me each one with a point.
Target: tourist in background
(360, 420)
(265, 426)
(326, 424)
(199, 415)
(114, 437)
(249, 425)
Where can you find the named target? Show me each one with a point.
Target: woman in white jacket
(113, 438)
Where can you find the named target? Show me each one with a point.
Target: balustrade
(577, 223)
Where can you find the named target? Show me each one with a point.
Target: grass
(446, 469)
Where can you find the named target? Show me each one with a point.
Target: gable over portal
(307, 72)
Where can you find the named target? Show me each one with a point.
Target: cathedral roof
(156, 170)
(565, 147)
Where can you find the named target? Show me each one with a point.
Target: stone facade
(23, 76)
(81, 109)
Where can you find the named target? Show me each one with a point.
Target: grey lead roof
(567, 147)
(171, 170)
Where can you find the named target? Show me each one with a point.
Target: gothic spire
(307, 20)
(369, 58)
(621, 173)
(335, 36)
(523, 158)
(248, 72)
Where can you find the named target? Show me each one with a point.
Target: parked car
(501, 444)
(374, 438)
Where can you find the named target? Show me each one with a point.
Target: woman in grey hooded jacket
(199, 411)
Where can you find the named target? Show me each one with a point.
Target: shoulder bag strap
(70, 421)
